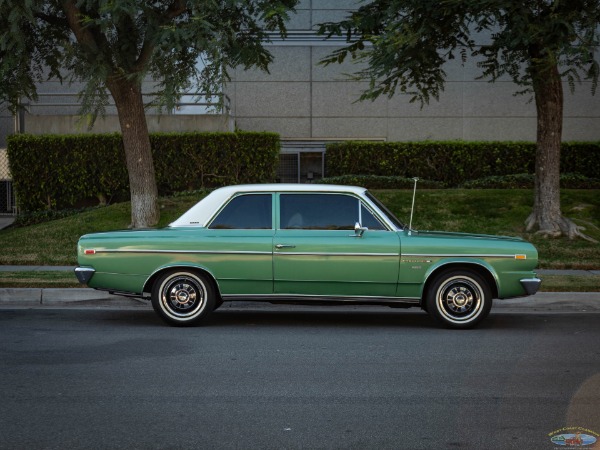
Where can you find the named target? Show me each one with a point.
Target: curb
(85, 297)
(63, 297)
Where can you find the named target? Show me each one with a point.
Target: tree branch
(175, 9)
(52, 20)
(93, 41)
(145, 53)
(83, 35)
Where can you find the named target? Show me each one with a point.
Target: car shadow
(331, 317)
(317, 318)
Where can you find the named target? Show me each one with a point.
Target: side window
(318, 211)
(369, 220)
(245, 212)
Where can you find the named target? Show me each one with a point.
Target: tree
(113, 45)
(403, 45)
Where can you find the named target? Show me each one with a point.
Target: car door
(238, 245)
(317, 252)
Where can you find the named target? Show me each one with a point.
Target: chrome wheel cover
(182, 296)
(459, 299)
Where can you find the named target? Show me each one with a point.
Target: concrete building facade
(309, 104)
(301, 99)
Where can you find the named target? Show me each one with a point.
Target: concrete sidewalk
(6, 221)
(85, 297)
(36, 268)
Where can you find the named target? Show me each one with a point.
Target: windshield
(390, 215)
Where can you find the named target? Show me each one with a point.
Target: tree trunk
(546, 213)
(138, 154)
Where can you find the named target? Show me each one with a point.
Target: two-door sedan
(305, 243)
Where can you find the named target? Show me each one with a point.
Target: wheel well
(479, 270)
(155, 276)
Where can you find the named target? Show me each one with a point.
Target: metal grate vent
(287, 172)
(7, 197)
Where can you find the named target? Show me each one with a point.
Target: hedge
(452, 163)
(60, 171)
(527, 181)
(380, 182)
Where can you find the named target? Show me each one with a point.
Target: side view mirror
(359, 230)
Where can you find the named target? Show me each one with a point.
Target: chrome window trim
(229, 200)
(203, 213)
(362, 199)
(366, 195)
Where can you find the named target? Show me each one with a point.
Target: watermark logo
(573, 437)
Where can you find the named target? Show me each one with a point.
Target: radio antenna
(412, 209)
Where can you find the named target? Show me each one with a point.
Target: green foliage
(54, 172)
(454, 162)
(526, 181)
(188, 161)
(380, 182)
(58, 172)
(29, 218)
(182, 47)
(404, 44)
(94, 42)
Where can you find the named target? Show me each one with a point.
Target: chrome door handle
(280, 246)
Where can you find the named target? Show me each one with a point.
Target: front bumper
(84, 274)
(531, 285)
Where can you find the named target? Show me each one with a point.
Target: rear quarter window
(245, 212)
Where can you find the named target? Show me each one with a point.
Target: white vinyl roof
(199, 214)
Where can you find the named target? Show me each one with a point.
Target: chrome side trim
(200, 252)
(84, 274)
(457, 255)
(333, 254)
(531, 285)
(241, 252)
(327, 298)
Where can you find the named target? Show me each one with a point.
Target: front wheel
(459, 299)
(183, 298)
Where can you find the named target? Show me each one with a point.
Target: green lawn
(504, 212)
(38, 279)
(481, 211)
(55, 242)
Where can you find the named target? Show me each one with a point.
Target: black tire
(459, 298)
(183, 298)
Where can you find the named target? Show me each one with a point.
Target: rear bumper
(84, 274)
(531, 285)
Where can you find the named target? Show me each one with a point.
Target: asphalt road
(364, 379)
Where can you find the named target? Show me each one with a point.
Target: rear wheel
(183, 298)
(459, 299)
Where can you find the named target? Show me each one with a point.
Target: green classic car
(305, 243)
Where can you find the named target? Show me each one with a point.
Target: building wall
(71, 124)
(7, 125)
(301, 99)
